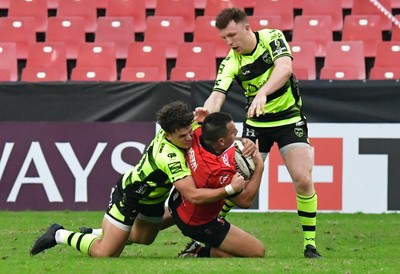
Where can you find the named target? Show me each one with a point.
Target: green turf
(350, 243)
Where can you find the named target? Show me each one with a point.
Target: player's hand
(238, 182)
(257, 106)
(249, 148)
(200, 114)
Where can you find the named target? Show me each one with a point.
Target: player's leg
(148, 223)
(110, 245)
(239, 243)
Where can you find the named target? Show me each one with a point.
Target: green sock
(81, 242)
(307, 211)
(226, 208)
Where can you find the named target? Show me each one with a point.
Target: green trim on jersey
(253, 70)
(161, 165)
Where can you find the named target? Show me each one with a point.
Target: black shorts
(126, 215)
(282, 135)
(212, 233)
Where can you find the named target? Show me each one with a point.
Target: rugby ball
(245, 166)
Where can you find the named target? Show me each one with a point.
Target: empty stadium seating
(313, 28)
(181, 8)
(145, 57)
(365, 28)
(172, 23)
(117, 30)
(304, 60)
(387, 59)
(344, 61)
(30, 8)
(136, 9)
(46, 62)
(97, 60)
(282, 8)
(19, 30)
(68, 30)
(8, 62)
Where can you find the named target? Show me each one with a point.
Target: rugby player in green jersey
(261, 62)
(137, 206)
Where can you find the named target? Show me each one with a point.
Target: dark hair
(174, 116)
(215, 126)
(229, 14)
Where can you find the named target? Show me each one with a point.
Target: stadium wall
(63, 146)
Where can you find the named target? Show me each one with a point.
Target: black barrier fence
(324, 101)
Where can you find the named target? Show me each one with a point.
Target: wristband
(229, 189)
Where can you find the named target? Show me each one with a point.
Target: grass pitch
(350, 243)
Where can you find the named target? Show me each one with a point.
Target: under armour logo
(250, 133)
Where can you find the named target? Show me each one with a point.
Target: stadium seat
(191, 74)
(395, 4)
(213, 7)
(82, 8)
(31, 8)
(69, 30)
(118, 30)
(21, 31)
(304, 60)
(382, 73)
(387, 60)
(129, 8)
(180, 8)
(344, 60)
(205, 31)
(147, 55)
(298, 4)
(43, 74)
(93, 74)
(171, 29)
(282, 8)
(52, 4)
(96, 57)
(4, 4)
(365, 28)
(396, 30)
(199, 4)
(144, 74)
(362, 7)
(102, 4)
(248, 4)
(45, 57)
(197, 54)
(258, 22)
(347, 4)
(316, 29)
(150, 4)
(322, 7)
(8, 62)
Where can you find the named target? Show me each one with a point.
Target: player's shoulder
(270, 34)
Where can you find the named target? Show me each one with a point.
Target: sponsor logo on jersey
(175, 167)
(225, 159)
(278, 46)
(192, 159)
(171, 155)
(223, 179)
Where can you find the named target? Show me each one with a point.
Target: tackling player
(136, 209)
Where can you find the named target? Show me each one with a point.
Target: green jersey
(161, 165)
(253, 70)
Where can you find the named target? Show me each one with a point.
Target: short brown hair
(174, 116)
(229, 14)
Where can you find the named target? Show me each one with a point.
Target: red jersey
(209, 171)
